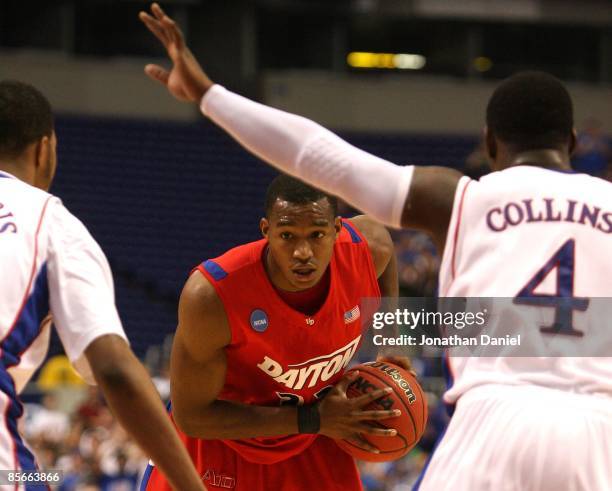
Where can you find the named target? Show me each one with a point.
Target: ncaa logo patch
(259, 320)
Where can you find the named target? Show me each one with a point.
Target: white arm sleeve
(304, 149)
(82, 297)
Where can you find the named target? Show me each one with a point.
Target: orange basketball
(407, 396)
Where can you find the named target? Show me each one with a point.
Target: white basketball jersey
(509, 233)
(49, 263)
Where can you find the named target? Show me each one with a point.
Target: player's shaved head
(531, 110)
(296, 192)
(25, 117)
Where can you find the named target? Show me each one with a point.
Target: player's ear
(338, 225)
(572, 141)
(264, 227)
(43, 147)
(44, 163)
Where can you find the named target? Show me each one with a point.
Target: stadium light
(401, 61)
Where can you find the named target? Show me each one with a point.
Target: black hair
(297, 192)
(25, 117)
(531, 110)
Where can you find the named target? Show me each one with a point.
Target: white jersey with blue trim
(528, 231)
(49, 263)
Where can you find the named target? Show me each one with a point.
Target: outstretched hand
(344, 418)
(186, 80)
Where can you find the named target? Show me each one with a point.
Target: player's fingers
(360, 442)
(346, 381)
(376, 415)
(157, 11)
(171, 29)
(154, 26)
(371, 396)
(174, 32)
(373, 430)
(402, 361)
(157, 73)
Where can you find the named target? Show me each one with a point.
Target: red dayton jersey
(278, 355)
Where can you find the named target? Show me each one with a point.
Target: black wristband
(309, 420)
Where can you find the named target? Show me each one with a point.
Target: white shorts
(524, 438)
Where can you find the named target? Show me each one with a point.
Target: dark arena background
(162, 189)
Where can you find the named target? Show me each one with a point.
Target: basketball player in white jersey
(519, 423)
(50, 264)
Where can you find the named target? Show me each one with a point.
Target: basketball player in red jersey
(265, 331)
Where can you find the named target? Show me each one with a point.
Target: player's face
(301, 242)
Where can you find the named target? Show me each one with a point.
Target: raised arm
(399, 196)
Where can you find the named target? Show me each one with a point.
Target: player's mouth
(304, 275)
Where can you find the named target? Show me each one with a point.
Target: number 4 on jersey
(563, 302)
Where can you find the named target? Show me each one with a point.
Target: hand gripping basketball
(406, 395)
(345, 419)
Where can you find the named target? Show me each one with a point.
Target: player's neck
(307, 301)
(19, 171)
(546, 157)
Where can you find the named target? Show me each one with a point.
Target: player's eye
(286, 235)
(317, 235)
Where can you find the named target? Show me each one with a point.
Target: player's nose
(303, 251)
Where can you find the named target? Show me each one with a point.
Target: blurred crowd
(69, 427)
(85, 442)
(593, 154)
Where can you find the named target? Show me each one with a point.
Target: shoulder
(68, 234)
(378, 239)
(201, 313)
(236, 260)
(26, 199)
(200, 297)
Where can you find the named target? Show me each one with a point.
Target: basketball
(407, 396)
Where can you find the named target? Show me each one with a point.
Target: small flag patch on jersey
(352, 315)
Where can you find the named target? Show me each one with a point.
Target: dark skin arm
(136, 405)
(430, 200)
(198, 371)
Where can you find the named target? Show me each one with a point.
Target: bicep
(198, 363)
(429, 203)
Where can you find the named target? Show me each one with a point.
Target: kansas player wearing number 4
(519, 423)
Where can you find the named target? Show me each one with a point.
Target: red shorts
(323, 466)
